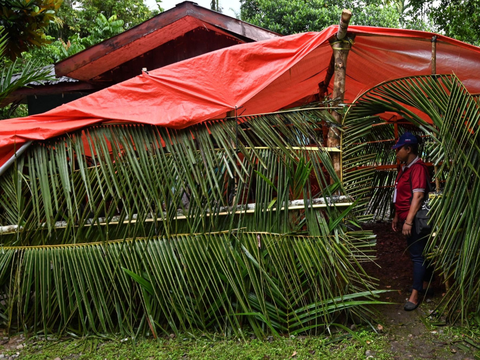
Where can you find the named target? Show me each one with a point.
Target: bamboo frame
(434, 71)
(242, 209)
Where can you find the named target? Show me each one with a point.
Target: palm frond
(453, 146)
(11, 80)
(217, 280)
(89, 204)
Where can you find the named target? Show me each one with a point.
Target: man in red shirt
(410, 191)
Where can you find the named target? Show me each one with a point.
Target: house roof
(186, 31)
(152, 34)
(251, 78)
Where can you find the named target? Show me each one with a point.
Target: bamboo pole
(435, 168)
(230, 114)
(340, 49)
(434, 71)
(323, 86)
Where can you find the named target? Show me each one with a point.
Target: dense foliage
(455, 18)
(79, 17)
(14, 75)
(25, 23)
(23, 27)
(288, 17)
(142, 229)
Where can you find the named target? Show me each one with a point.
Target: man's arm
(416, 204)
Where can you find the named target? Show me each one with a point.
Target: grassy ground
(361, 344)
(210, 347)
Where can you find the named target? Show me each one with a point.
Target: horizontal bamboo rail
(318, 203)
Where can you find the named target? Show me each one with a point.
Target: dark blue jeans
(421, 270)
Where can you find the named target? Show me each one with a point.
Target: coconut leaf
(94, 209)
(194, 281)
(452, 145)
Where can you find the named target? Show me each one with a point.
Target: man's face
(402, 154)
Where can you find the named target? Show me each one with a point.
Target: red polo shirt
(409, 179)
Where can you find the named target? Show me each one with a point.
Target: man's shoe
(409, 306)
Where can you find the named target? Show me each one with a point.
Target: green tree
(455, 18)
(294, 16)
(60, 49)
(14, 75)
(24, 23)
(80, 17)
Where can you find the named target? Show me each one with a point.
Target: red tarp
(254, 78)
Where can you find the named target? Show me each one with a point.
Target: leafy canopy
(60, 49)
(459, 19)
(454, 18)
(25, 23)
(80, 17)
(288, 17)
(22, 26)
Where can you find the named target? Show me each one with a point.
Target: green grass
(210, 346)
(440, 342)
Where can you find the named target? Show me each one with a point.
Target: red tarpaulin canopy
(255, 78)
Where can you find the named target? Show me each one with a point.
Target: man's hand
(416, 204)
(407, 229)
(395, 223)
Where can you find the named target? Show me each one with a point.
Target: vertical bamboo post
(434, 71)
(340, 48)
(233, 113)
(435, 169)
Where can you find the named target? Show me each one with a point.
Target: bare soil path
(409, 332)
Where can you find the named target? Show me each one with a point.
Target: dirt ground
(407, 331)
